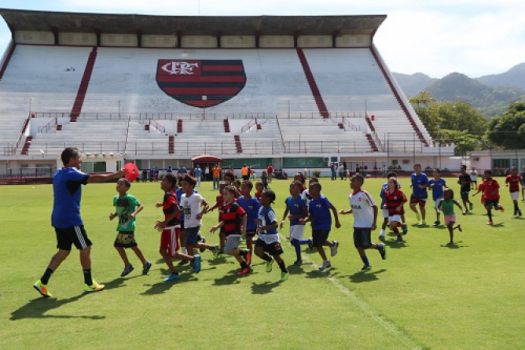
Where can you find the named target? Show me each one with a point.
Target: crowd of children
(242, 216)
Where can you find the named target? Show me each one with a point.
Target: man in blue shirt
(197, 173)
(66, 219)
(419, 195)
(437, 184)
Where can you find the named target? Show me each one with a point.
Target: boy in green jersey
(127, 208)
(447, 206)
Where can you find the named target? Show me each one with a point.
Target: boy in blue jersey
(268, 237)
(66, 219)
(296, 207)
(321, 219)
(419, 184)
(437, 184)
(251, 206)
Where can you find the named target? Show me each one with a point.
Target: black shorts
(250, 233)
(125, 239)
(273, 249)
(362, 238)
(319, 237)
(464, 195)
(492, 202)
(72, 235)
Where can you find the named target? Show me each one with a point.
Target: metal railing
(46, 128)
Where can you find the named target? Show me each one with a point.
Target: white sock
(382, 233)
(184, 250)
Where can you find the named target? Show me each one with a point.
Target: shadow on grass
(366, 276)
(455, 245)
(229, 279)
(395, 245)
(321, 274)
(37, 308)
(264, 288)
(161, 287)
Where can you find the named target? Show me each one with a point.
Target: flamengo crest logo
(188, 81)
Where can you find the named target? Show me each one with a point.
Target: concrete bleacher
(204, 137)
(264, 140)
(321, 135)
(11, 126)
(124, 79)
(37, 78)
(100, 136)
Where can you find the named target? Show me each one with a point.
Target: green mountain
(514, 77)
(415, 83)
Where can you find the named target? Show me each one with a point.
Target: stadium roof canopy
(26, 20)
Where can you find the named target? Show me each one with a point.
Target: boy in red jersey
(233, 218)
(394, 201)
(491, 193)
(513, 182)
(364, 208)
(170, 227)
(219, 202)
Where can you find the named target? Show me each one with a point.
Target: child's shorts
(297, 232)
(169, 239)
(394, 218)
(125, 239)
(515, 195)
(192, 235)
(273, 248)
(384, 213)
(319, 237)
(450, 219)
(232, 243)
(436, 202)
(419, 200)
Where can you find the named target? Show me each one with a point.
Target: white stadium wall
(27, 37)
(237, 41)
(78, 39)
(129, 40)
(276, 41)
(353, 41)
(314, 41)
(159, 41)
(194, 41)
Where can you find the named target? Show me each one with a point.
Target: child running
(522, 174)
(394, 201)
(491, 193)
(219, 202)
(419, 195)
(268, 237)
(258, 189)
(296, 207)
(191, 203)
(233, 218)
(170, 227)
(251, 206)
(447, 206)
(513, 182)
(364, 208)
(127, 208)
(384, 212)
(319, 215)
(437, 184)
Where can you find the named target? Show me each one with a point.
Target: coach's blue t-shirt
(437, 190)
(296, 207)
(67, 194)
(417, 180)
(319, 209)
(251, 207)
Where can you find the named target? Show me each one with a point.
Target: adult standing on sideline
(197, 173)
(66, 219)
(473, 179)
(207, 173)
(245, 172)
(216, 176)
(341, 171)
(182, 170)
(169, 170)
(333, 169)
(269, 170)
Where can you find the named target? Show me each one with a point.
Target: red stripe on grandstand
(223, 68)
(200, 79)
(200, 103)
(202, 91)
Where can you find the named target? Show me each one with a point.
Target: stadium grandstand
(294, 91)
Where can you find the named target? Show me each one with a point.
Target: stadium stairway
(238, 144)
(313, 85)
(82, 89)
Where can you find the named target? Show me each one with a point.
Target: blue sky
(434, 37)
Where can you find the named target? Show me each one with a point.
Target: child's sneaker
(197, 264)
(269, 266)
(298, 263)
(333, 248)
(365, 268)
(399, 239)
(127, 270)
(382, 251)
(326, 264)
(146, 268)
(490, 223)
(203, 240)
(42, 289)
(459, 228)
(284, 276)
(501, 208)
(471, 206)
(310, 244)
(172, 277)
(405, 229)
(436, 223)
(243, 271)
(216, 251)
(423, 222)
(519, 212)
(95, 287)
(381, 238)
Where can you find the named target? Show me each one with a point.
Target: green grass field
(425, 295)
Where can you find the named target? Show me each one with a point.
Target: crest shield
(201, 83)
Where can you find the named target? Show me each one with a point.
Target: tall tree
(508, 131)
(424, 105)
